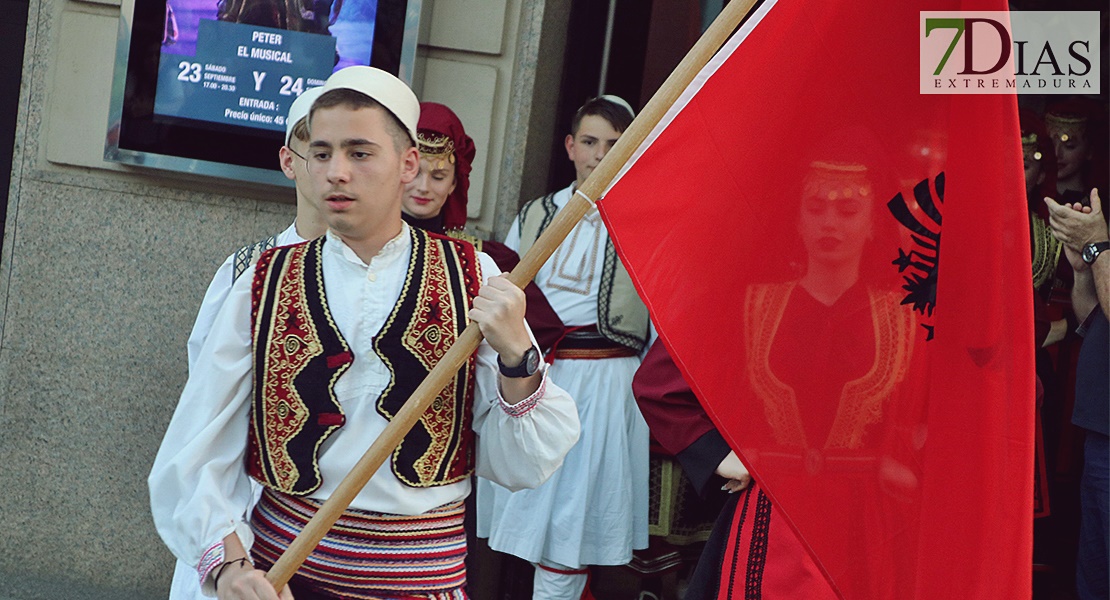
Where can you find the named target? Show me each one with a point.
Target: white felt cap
(619, 102)
(387, 90)
(299, 110)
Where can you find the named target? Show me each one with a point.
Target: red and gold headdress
(1070, 119)
(834, 181)
(441, 137)
(1029, 146)
(436, 147)
(1065, 127)
(1036, 141)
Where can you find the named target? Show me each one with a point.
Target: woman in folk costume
(594, 509)
(826, 347)
(436, 202)
(1077, 127)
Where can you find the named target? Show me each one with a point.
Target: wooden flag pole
(581, 202)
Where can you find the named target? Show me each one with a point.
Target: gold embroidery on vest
(274, 423)
(442, 413)
(764, 306)
(284, 411)
(861, 400)
(1046, 252)
(433, 282)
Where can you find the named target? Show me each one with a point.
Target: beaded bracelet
(220, 570)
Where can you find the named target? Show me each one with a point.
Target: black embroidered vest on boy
(622, 318)
(299, 354)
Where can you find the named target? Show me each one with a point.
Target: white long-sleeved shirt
(199, 488)
(217, 292)
(185, 585)
(571, 279)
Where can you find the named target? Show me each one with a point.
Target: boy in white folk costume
(593, 511)
(309, 224)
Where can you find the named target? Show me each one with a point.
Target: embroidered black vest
(300, 354)
(443, 279)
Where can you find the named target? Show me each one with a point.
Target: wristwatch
(1092, 250)
(527, 367)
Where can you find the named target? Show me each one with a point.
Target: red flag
(839, 266)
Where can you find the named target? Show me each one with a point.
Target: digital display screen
(208, 83)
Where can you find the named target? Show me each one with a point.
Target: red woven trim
(209, 560)
(562, 571)
(593, 353)
(526, 405)
(367, 555)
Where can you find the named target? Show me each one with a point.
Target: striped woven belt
(584, 342)
(366, 555)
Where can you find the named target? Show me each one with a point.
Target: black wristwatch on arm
(527, 367)
(1091, 251)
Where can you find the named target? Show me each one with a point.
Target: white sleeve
(209, 307)
(519, 445)
(199, 488)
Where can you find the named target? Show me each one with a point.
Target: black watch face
(1091, 252)
(532, 360)
(527, 367)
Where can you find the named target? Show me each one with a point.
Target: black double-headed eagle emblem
(918, 263)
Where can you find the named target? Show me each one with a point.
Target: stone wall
(103, 268)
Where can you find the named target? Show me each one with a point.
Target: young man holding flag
(317, 347)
